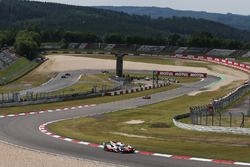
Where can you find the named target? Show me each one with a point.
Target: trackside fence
(13, 99)
(213, 115)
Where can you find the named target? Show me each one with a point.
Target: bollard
(230, 114)
(243, 120)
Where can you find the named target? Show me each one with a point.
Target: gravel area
(12, 156)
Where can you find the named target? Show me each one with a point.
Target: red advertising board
(181, 74)
(238, 65)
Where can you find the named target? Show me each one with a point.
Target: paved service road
(23, 131)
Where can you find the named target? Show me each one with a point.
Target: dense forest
(22, 14)
(25, 25)
(233, 20)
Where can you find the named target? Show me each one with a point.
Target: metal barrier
(13, 99)
(212, 114)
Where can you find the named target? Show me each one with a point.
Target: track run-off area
(23, 129)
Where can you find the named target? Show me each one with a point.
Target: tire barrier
(137, 89)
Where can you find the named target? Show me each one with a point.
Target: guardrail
(13, 99)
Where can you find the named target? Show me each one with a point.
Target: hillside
(237, 21)
(16, 14)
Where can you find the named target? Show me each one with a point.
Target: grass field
(32, 79)
(242, 59)
(97, 100)
(16, 70)
(159, 131)
(87, 82)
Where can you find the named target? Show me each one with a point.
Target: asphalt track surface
(56, 83)
(24, 131)
(59, 83)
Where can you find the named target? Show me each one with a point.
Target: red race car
(118, 147)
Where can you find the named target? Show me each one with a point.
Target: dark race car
(118, 147)
(146, 97)
(68, 74)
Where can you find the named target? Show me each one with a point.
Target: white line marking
(242, 163)
(201, 159)
(83, 143)
(48, 133)
(162, 155)
(68, 139)
(56, 136)
(11, 115)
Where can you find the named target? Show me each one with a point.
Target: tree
(233, 44)
(200, 39)
(114, 38)
(27, 44)
(7, 37)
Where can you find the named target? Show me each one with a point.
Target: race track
(23, 131)
(56, 83)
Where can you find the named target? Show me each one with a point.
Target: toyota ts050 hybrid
(118, 147)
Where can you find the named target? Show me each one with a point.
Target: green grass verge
(32, 79)
(243, 59)
(159, 131)
(16, 70)
(87, 82)
(98, 100)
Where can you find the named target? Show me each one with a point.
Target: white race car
(118, 147)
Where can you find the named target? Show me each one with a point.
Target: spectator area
(181, 50)
(73, 45)
(6, 59)
(150, 49)
(246, 55)
(220, 52)
(170, 49)
(109, 47)
(195, 51)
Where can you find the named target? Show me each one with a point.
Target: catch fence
(214, 113)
